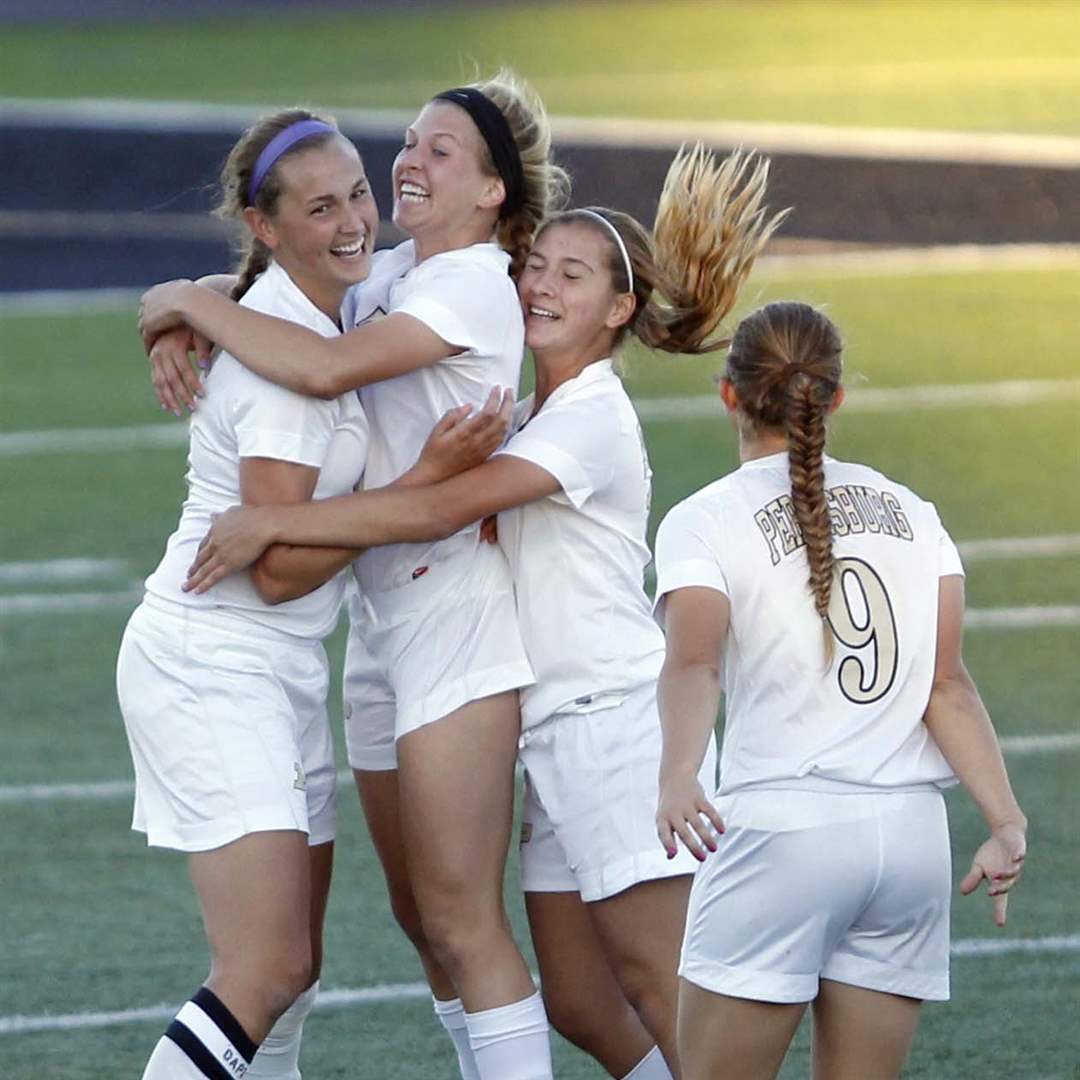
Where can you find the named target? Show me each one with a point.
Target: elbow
(272, 590)
(320, 382)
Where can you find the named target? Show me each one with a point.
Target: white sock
(279, 1055)
(651, 1067)
(511, 1042)
(451, 1015)
(205, 1040)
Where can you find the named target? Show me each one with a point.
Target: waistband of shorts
(224, 620)
(828, 786)
(479, 569)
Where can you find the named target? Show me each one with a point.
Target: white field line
(111, 224)
(1022, 618)
(370, 995)
(1056, 151)
(1005, 394)
(1013, 745)
(53, 570)
(100, 789)
(1023, 745)
(903, 261)
(908, 261)
(1002, 618)
(67, 603)
(1020, 547)
(70, 302)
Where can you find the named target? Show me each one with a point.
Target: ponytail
(785, 365)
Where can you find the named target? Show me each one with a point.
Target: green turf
(985, 65)
(93, 921)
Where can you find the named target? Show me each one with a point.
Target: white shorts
(446, 638)
(369, 704)
(591, 789)
(806, 885)
(228, 728)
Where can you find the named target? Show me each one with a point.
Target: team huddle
(360, 410)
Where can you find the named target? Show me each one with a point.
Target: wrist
(1015, 820)
(420, 475)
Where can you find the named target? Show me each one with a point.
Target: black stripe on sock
(203, 1060)
(215, 1008)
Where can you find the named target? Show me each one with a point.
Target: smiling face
(441, 188)
(322, 230)
(567, 294)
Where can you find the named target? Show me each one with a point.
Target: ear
(622, 311)
(728, 395)
(494, 194)
(261, 226)
(838, 399)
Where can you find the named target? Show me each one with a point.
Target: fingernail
(671, 854)
(204, 364)
(177, 412)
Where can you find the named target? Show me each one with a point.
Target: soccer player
(826, 601)
(224, 696)
(435, 656)
(572, 488)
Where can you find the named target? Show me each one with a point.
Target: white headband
(618, 240)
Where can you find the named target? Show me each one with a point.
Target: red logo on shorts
(420, 571)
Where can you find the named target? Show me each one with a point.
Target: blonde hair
(785, 363)
(711, 223)
(546, 185)
(254, 256)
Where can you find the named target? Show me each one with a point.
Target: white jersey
(468, 299)
(789, 721)
(244, 416)
(578, 557)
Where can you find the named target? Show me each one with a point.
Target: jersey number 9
(861, 616)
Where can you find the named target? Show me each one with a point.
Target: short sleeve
(948, 555)
(467, 305)
(272, 422)
(686, 554)
(574, 443)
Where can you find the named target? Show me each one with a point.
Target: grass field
(979, 65)
(93, 922)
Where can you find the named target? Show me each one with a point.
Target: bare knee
(578, 1022)
(407, 916)
(461, 937)
(271, 979)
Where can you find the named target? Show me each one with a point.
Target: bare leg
(380, 797)
(322, 865)
(255, 895)
(726, 1038)
(861, 1034)
(457, 788)
(585, 1003)
(641, 930)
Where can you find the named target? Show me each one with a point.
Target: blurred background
(931, 153)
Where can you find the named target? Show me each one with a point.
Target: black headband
(496, 133)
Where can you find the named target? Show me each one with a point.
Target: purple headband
(277, 146)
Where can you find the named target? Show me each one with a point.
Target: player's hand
(173, 359)
(489, 529)
(463, 439)
(999, 862)
(235, 540)
(160, 310)
(685, 813)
